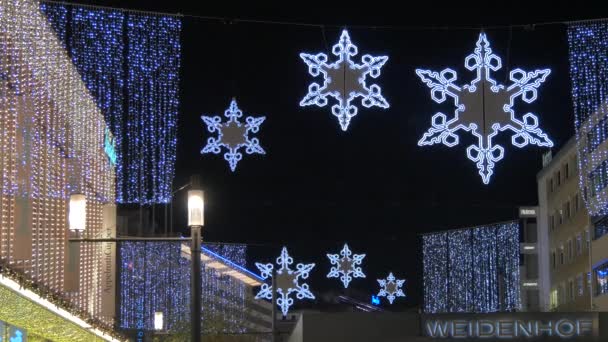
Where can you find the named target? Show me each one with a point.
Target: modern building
(155, 281)
(573, 227)
(53, 144)
(472, 269)
(564, 228)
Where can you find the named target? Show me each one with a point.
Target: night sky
(372, 186)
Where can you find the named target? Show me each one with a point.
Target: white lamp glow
(196, 207)
(158, 321)
(78, 212)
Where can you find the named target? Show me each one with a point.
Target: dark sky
(372, 186)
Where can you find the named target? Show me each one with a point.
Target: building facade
(52, 137)
(565, 226)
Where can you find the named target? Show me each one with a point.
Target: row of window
(601, 279)
(561, 175)
(573, 248)
(568, 293)
(566, 212)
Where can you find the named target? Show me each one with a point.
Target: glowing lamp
(158, 321)
(196, 207)
(78, 212)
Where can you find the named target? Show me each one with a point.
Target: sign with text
(510, 326)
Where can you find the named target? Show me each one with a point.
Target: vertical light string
(155, 277)
(97, 48)
(130, 64)
(153, 60)
(461, 275)
(435, 272)
(472, 270)
(588, 53)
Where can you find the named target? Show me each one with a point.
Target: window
(561, 217)
(561, 255)
(567, 170)
(567, 209)
(551, 185)
(571, 289)
(576, 203)
(601, 228)
(553, 300)
(601, 279)
(552, 222)
(559, 178)
(588, 238)
(580, 286)
(553, 259)
(579, 244)
(589, 280)
(562, 293)
(570, 251)
(599, 177)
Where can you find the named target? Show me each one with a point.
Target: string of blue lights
(130, 64)
(588, 48)
(466, 271)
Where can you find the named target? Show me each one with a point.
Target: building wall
(566, 223)
(51, 145)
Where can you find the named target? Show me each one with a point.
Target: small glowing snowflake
(287, 281)
(233, 135)
(391, 288)
(484, 108)
(346, 266)
(344, 80)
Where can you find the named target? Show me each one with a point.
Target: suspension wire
(224, 20)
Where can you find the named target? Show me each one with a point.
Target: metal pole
(165, 218)
(195, 301)
(274, 304)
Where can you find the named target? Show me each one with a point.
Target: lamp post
(196, 206)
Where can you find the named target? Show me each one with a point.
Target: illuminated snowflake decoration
(484, 108)
(346, 267)
(287, 282)
(233, 135)
(391, 288)
(344, 80)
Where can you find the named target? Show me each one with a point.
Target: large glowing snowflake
(287, 281)
(344, 80)
(346, 266)
(391, 288)
(484, 108)
(233, 135)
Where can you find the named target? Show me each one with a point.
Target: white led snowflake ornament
(287, 281)
(233, 135)
(391, 288)
(344, 80)
(484, 108)
(346, 267)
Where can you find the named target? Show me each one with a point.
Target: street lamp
(78, 212)
(196, 215)
(158, 320)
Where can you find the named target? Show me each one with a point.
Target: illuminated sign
(507, 328)
(375, 300)
(527, 212)
(109, 146)
(11, 333)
